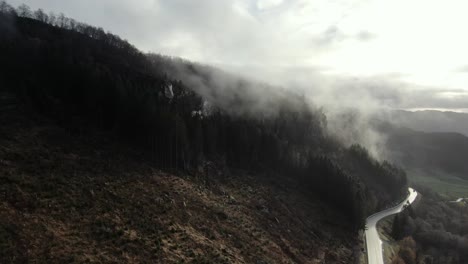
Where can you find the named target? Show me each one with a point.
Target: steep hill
(85, 197)
(183, 113)
(127, 156)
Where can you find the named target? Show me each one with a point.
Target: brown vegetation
(85, 198)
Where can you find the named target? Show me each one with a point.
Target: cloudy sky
(395, 49)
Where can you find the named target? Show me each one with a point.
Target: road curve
(459, 200)
(373, 242)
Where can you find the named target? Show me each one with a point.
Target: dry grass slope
(69, 197)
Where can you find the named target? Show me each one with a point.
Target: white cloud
(266, 4)
(422, 41)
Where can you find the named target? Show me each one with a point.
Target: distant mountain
(431, 121)
(429, 140)
(436, 151)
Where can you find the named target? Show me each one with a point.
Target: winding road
(374, 244)
(459, 200)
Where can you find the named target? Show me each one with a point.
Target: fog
(353, 104)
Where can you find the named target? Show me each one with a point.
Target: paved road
(374, 244)
(459, 200)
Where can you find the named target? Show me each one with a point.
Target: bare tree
(24, 11)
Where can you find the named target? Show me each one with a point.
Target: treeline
(74, 72)
(439, 230)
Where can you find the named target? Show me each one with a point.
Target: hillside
(71, 197)
(183, 113)
(132, 157)
(432, 159)
(443, 152)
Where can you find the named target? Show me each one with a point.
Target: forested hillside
(182, 114)
(88, 197)
(434, 231)
(441, 152)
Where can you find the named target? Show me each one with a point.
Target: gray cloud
(211, 31)
(330, 36)
(365, 36)
(333, 36)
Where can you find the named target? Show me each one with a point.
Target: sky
(402, 53)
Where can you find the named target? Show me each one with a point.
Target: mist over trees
(181, 113)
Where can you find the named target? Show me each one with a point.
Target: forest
(184, 114)
(434, 231)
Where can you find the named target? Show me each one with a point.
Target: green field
(445, 184)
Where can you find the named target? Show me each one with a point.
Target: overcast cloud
(397, 54)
